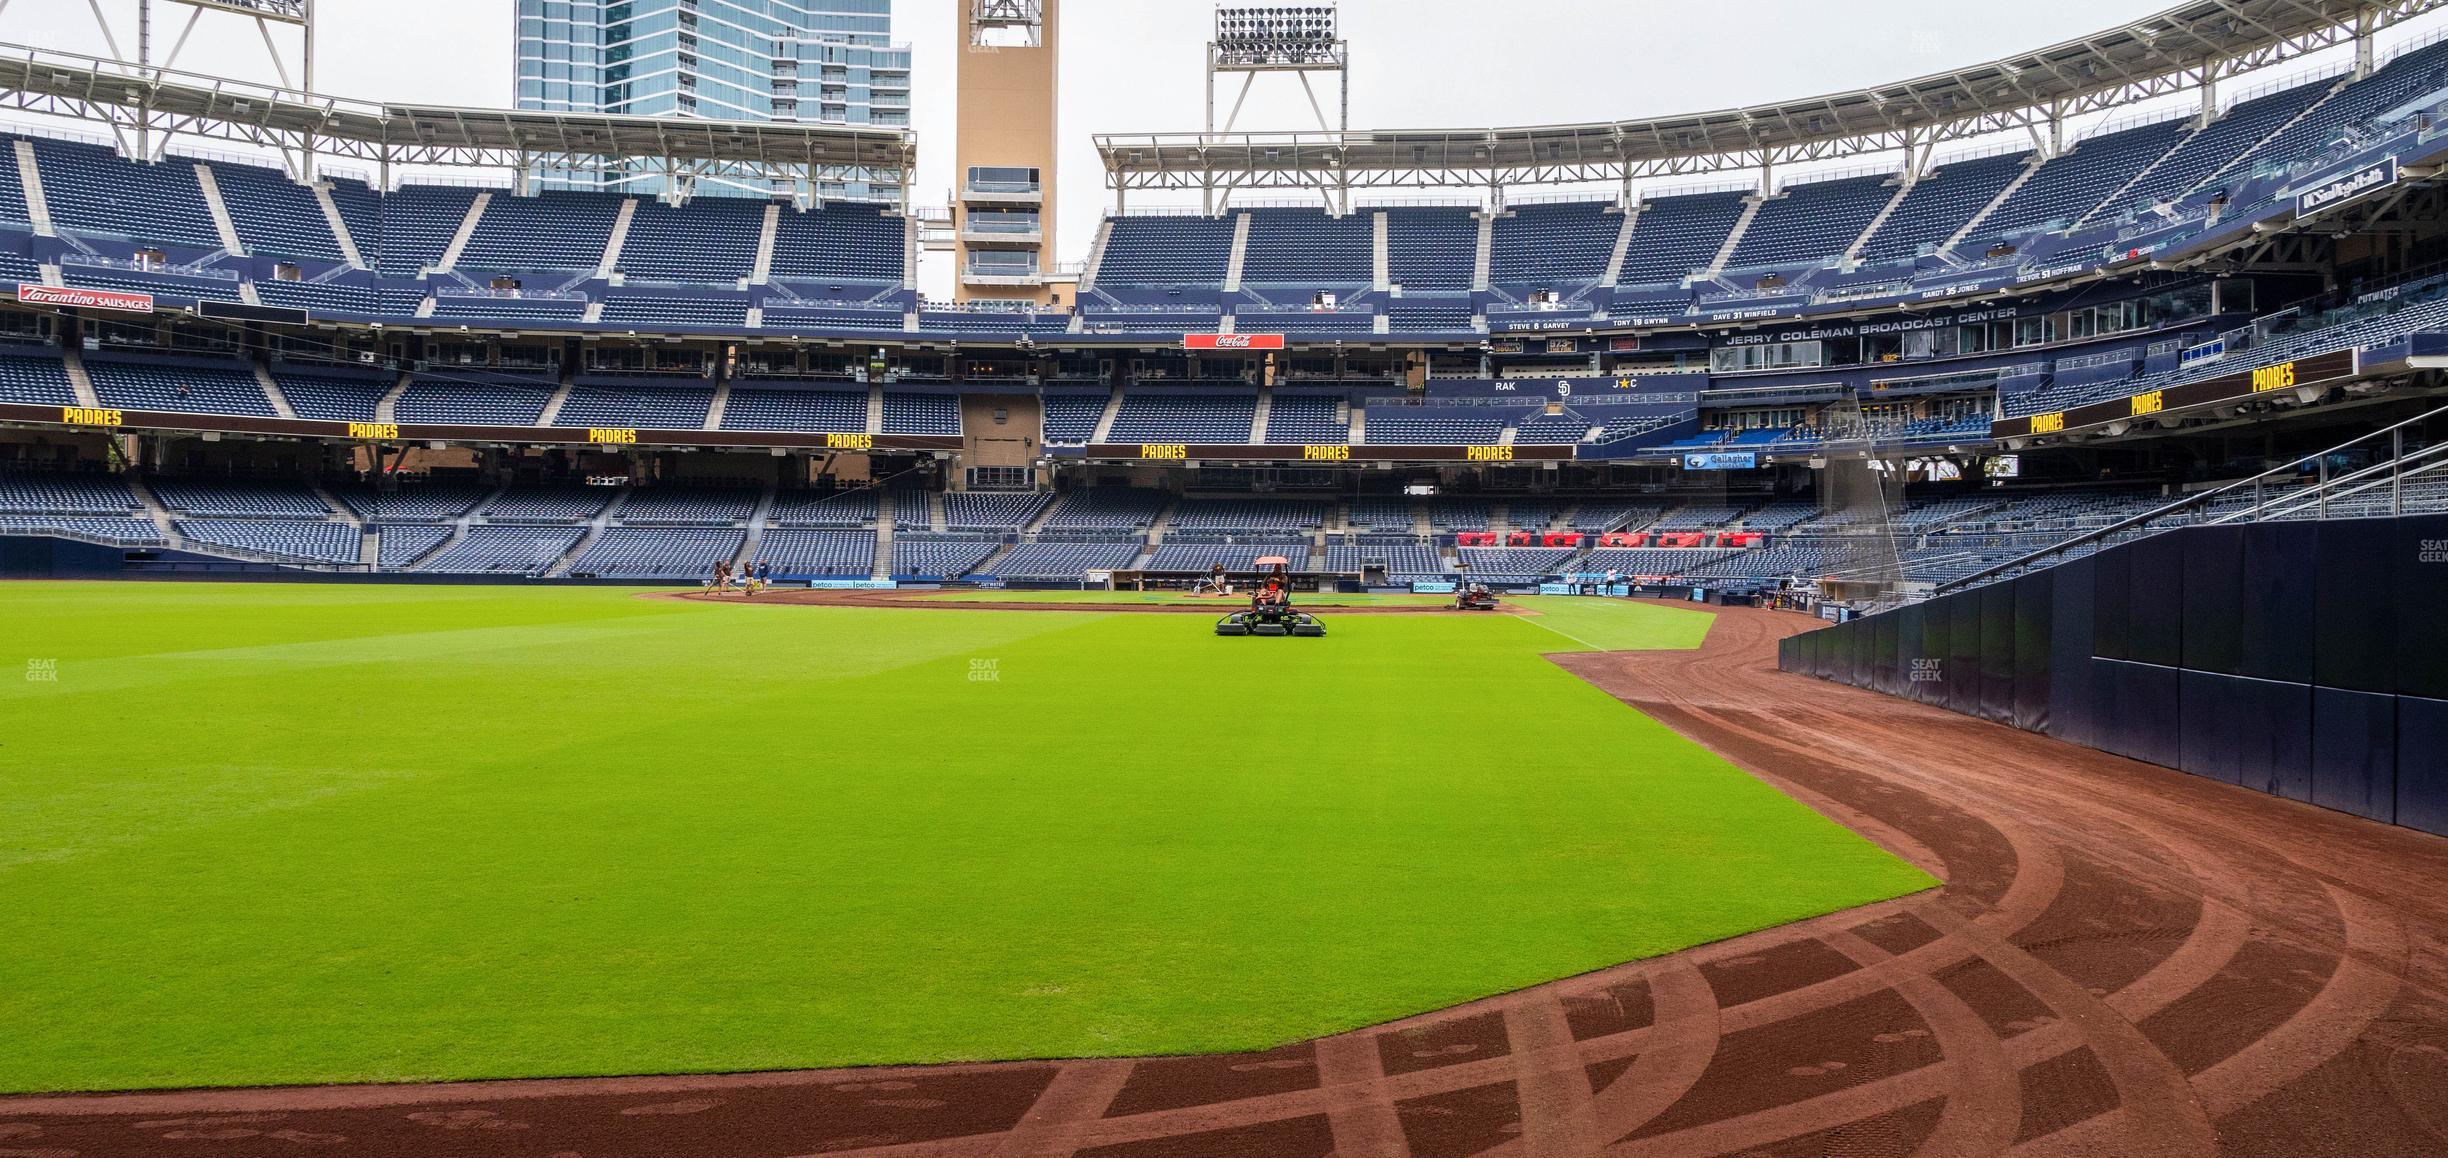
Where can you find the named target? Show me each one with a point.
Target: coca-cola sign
(84, 299)
(1232, 341)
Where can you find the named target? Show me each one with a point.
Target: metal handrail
(2203, 498)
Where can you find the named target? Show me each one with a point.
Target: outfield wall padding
(2304, 660)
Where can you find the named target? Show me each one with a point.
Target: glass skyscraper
(808, 61)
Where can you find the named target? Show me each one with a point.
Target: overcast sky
(1134, 65)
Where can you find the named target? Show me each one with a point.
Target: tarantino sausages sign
(84, 299)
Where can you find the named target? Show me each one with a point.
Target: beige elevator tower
(1004, 153)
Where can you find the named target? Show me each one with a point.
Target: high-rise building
(805, 61)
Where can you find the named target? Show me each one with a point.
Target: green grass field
(289, 833)
(1326, 599)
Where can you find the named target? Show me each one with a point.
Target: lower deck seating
(1402, 562)
(241, 499)
(402, 545)
(933, 558)
(673, 553)
(69, 494)
(503, 550)
(122, 532)
(992, 510)
(277, 538)
(413, 502)
(1236, 558)
(1045, 562)
(818, 554)
(1514, 565)
(853, 508)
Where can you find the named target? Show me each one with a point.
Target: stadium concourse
(2124, 960)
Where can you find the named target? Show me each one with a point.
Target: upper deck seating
(1553, 243)
(841, 242)
(1676, 237)
(551, 231)
(1812, 222)
(1161, 251)
(1429, 248)
(1940, 204)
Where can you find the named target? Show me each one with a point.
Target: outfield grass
(1222, 603)
(275, 834)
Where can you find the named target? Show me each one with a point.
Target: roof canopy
(165, 102)
(2194, 44)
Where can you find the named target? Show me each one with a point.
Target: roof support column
(2209, 94)
(2366, 23)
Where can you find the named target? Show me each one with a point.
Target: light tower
(1004, 150)
(1298, 39)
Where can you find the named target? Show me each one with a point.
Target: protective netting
(1861, 501)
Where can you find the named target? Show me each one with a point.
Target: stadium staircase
(2200, 126)
(339, 226)
(758, 520)
(617, 242)
(459, 241)
(552, 408)
(1096, 259)
(886, 516)
(2012, 187)
(1623, 248)
(875, 408)
(935, 512)
(386, 408)
(1381, 255)
(272, 391)
(1105, 422)
(1359, 425)
(1911, 178)
(1037, 521)
(1483, 254)
(595, 529)
(1240, 253)
(1258, 417)
(78, 379)
(228, 228)
(762, 271)
(155, 511)
(721, 403)
(2343, 83)
(1742, 225)
(29, 178)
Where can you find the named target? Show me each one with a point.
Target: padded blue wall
(2304, 660)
